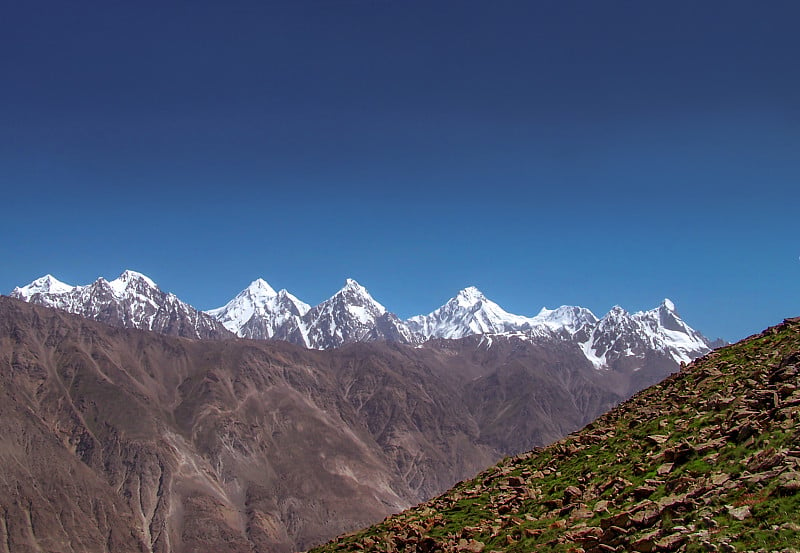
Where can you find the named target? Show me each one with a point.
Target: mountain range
(242, 443)
(132, 300)
(352, 315)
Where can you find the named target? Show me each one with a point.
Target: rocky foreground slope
(708, 460)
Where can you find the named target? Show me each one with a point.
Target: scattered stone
(601, 506)
(571, 493)
(471, 546)
(643, 492)
(665, 469)
(657, 439)
(670, 543)
(738, 513)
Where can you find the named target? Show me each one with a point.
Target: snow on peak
(468, 313)
(568, 317)
(355, 295)
(128, 278)
(616, 312)
(258, 310)
(260, 288)
(667, 303)
(469, 296)
(350, 284)
(46, 284)
(284, 297)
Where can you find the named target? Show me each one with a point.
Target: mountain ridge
(131, 300)
(353, 315)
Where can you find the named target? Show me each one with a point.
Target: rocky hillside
(708, 460)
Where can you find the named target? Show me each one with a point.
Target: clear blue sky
(548, 152)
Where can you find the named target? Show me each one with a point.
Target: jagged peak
(469, 296)
(568, 316)
(128, 276)
(261, 287)
(350, 285)
(616, 312)
(351, 291)
(128, 279)
(47, 284)
(284, 294)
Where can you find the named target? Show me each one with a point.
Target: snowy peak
(291, 302)
(353, 295)
(132, 300)
(260, 288)
(47, 284)
(258, 311)
(617, 341)
(131, 282)
(567, 317)
(621, 338)
(469, 297)
(350, 315)
(468, 313)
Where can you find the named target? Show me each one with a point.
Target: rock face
(131, 301)
(707, 460)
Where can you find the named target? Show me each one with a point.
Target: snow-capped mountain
(259, 312)
(567, 318)
(350, 315)
(132, 300)
(621, 337)
(468, 313)
(619, 340)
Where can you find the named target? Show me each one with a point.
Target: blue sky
(550, 152)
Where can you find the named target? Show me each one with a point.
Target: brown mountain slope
(116, 439)
(180, 445)
(708, 460)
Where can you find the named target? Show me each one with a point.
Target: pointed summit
(258, 311)
(260, 288)
(668, 305)
(353, 287)
(469, 296)
(132, 300)
(350, 315)
(46, 284)
(469, 312)
(568, 317)
(352, 294)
